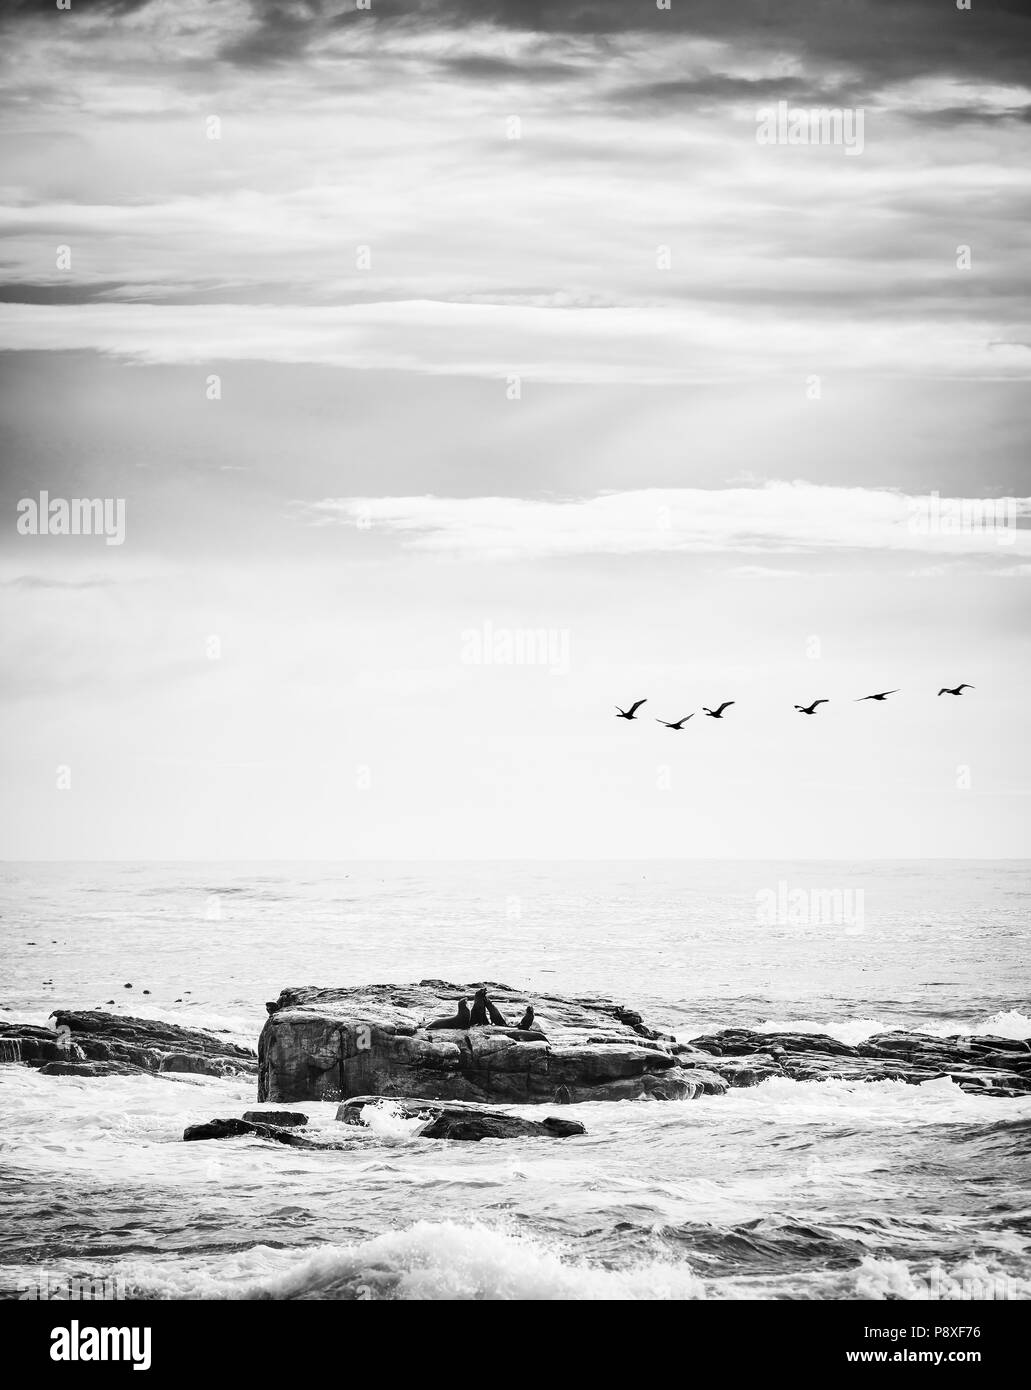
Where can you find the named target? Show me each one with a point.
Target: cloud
(39, 581)
(618, 345)
(779, 518)
(387, 128)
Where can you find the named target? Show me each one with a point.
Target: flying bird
(947, 690)
(718, 713)
(630, 713)
(811, 709)
(678, 725)
(882, 696)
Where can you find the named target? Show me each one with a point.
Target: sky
(467, 369)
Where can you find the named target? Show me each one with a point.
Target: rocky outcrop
(33, 1047)
(91, 1043)
(333, 1044)
(458, 1120)
(436, 1120)
(283, 1118)
(90, 1069)
(984, 1065)
(233, 1129)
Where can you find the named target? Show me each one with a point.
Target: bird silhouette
(882, 696)
(718, 713)
(811, 709)
(948, 690)
(630, 713)
(678, 725)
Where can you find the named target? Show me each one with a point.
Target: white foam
(388, 1124)
(846, 1030)
(1009, 1024)
(969, 1280)
(428, 1261)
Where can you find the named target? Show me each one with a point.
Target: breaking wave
(430, 1260)
(1009, 1024)
(446, 1261)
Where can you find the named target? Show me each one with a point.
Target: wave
(428, 1261)
(1010, 1023)
(968, 1281)
(388, 1124)
(450, 1261)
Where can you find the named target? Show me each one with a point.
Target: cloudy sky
(405, 332)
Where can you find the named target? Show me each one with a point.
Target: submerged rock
(283, 1118)
(457, 1120)
(332, 1044)
(88, 1069)
(233, 1128)
(198, 1064)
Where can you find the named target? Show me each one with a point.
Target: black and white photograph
(514, 568)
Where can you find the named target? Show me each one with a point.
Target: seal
(485, 1012)
(479, 1013)
(460, 1020)
(526, 1022)
(496, 1016)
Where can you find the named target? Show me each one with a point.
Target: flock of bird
(717, 713)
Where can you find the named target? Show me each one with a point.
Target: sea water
(785, 1190)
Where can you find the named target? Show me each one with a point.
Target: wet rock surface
(460, 1121)
(233, 1129)
(276, 1117)
(983, 1065)
(333, 1044)
(114, 1044)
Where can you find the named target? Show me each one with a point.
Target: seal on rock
(479, 1013)
(460, 1020)
(496, 1016)
(485, 1012)
(526, 1022)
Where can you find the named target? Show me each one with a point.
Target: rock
(739, 1042)
(332, 1044)
(232, 1129)
(283, 1118)
(984, 1066)
(194, 1062)
(456, 1120)
(33, 1046)
(88, 1069)
(142, 1044)
(448, 1125)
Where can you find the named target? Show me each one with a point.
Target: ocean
(788, 1190)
